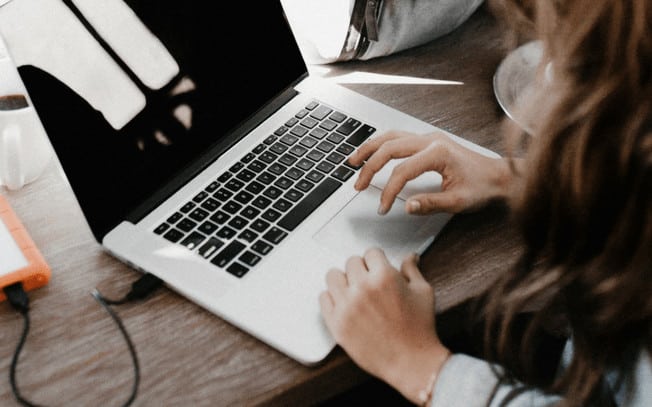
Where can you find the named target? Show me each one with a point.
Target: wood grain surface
(75, 356)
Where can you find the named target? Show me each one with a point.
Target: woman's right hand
(470, 180)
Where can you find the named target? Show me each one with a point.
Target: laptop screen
(231, 61)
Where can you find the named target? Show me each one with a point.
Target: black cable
(19, 300)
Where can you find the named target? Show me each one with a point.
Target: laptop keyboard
(247, 210)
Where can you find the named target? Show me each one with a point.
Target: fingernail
(414, 206)
(382, 210)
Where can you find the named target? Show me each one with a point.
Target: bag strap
(363, 28)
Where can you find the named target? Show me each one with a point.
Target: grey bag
(341, 30)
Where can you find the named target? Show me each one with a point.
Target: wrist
(416, 380)
(503, 176)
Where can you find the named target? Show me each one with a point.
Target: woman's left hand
(385, 320)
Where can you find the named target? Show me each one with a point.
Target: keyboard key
(256, 166)
(321, 112)
(248, 235)
(312, 105)
(193, 240)
(255, 187)
(267, 157)
(232, 207)
(269, 140)
(325, 146)
(161, 228)
(308, 142)
(228, 253)
(219, 217)
(249, 258)
(210, 205)
(348, 126)
(244, 197)
(337, 117)
(282, 205)
(289, 139)
(305, 164)
(344, 149)
(272, 192)
(222, 194)
(234, 185)
(198, 214)
(315, 176)
(315, 155)
(342, 173)
(187, 207)
(288, 159)
(186, 225)
(298, 150)
(247, 158)
(259, 149)
(304, 208)
(261, 202)
(293, 195)
(238, 222)
(360, 135)
(236, 167)
(335, 138)
(266, 178)
(224, 177)
(284, 183)
(291, 122)
(271, 215)
(281, 130)
(278, 148)
(210, 247)
(246, 175)
(299, 131)
(325, 166)
(304, 185)
(318, 133)
(208, 228)
(237, 269)
(173, 235)
(294, 173)
(335, 157)
(309, 122)
(212, 186)
(250, 212)
(259, 225)
(200, 196)
(226, 233)
(328, 125)
(275, 235)
(174, 218)
(261, 247)
(277, 169)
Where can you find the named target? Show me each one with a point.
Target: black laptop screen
(235, 58)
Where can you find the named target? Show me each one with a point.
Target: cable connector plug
(142, 287)
(17, 297)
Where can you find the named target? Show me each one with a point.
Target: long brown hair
(584, 201)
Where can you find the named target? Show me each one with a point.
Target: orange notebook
(20, 259)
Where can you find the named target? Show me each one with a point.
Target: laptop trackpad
(358, 227)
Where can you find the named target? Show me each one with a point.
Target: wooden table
(74, 354)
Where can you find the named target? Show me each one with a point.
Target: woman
(582, 198)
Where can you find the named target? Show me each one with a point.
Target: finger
(376, 260)
(423, 204)
(391, 149)
(370, 146)
(410, 268)
(336, 283)
(412, 167)
(326, 304)
(327, 307)
(356, 270)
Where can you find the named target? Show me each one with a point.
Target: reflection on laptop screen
(230, 61)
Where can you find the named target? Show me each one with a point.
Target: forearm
(468, 382)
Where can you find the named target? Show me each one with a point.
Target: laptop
(231, 183)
